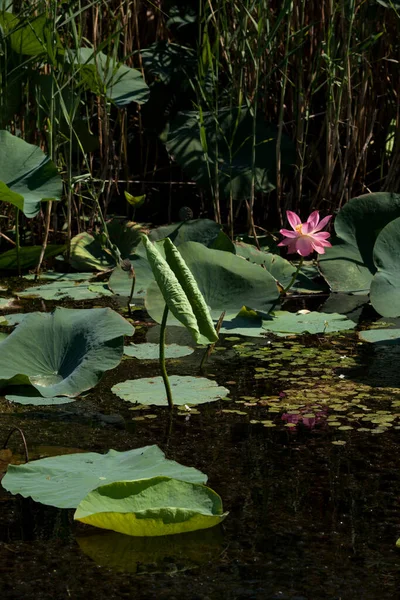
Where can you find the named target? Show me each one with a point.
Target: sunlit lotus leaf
(348, 266)
(226, 281)
(27, 176)
(385, 286)
(89, 252)
(64, 481)
(152, 555)
(286, 323)
(185, 390)
(280, 268)
(151, 351)
(151, 507)
(65, 352)
(30, 37)
(104, 76)
(179, 290)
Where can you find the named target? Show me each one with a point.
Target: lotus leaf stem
(162, 358)
(21, 433)
(17, 243)
(295, 274)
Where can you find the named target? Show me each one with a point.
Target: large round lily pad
(64, 481)
(65, 352)
(151, 507)
(349, 266)
(185, 390)
(151, 351)
(285, 323)
(385, 286)
(383, 337)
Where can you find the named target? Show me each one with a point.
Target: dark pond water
(307, 466)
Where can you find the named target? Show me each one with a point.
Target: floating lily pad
(29, 395)
(65, 352)
(67, 287)
(151, 351)
(63, 481)
(185, 390)
(381, 336)
(286, 323)
(6, 302)
(15, 318)
(240, 325)
(151, 507)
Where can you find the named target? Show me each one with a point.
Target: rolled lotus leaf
(179, 303)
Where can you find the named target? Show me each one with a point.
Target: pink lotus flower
(306, 237)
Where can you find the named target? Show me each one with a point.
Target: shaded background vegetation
(294, 104)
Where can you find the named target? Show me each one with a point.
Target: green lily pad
(281, 269)
(151, 351)
(381, 336)
(349, 266)
(27, 176)
(65, 352)
(185, 390)
(226, 281)
(151, 507)
(28, 395)
(63, 481)
(285, 323)
(89, 252)
(15, 318)
(6, 302)
(65, 288)
(241, 325)
(385, 286)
